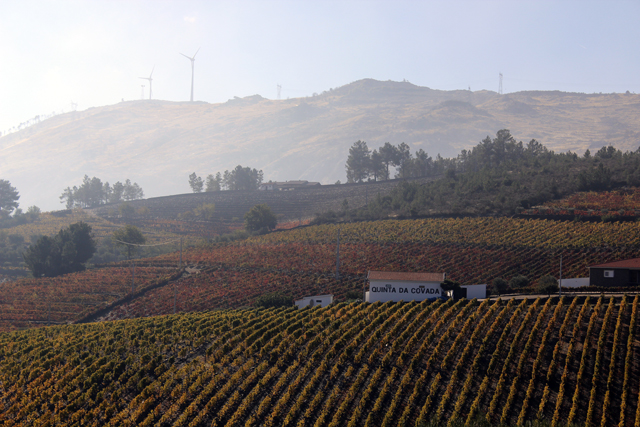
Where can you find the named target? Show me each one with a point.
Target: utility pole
(180, 264)
(560, 282)
(133, 276)
(338, 257)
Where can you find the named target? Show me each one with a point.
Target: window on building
(608, 273)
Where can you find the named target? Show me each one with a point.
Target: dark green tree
(358, 162)
(390, 155)
(93, 193)
(403, 161)
(518, 282)
(67, 252)
(129, 239)
(8, 198)
(377, 167)
(196, 183)
(499, 285)
(547, 285)
(260, 218)
(274, 299)
(132, 191)
(242, 178)
(213, 183)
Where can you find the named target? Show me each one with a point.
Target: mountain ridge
(159, 143)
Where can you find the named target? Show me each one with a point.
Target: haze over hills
(159, 143)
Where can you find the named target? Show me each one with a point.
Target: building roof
(406, 277)
(628, 263)
(316, 296)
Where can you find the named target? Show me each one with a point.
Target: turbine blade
(154, 67)
(186, 56)
(194, 55)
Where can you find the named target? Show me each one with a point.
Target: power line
(147, 246)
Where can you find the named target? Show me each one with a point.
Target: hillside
(302, 203)
(302, 262)
(561, 361)
(158, 144)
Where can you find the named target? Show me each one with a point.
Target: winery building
(618, 273)
(400, 286)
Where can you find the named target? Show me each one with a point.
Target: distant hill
(158, 143)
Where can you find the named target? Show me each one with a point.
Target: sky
(56, 56)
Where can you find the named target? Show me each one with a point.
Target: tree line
(240, 178)
(499, 175)
(92, 192)
(366, 165)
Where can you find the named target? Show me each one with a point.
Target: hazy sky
(92, 53)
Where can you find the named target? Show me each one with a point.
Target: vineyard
(623, 202)
(302, 262)
(37, 302)
(302, 203)
(559, 361)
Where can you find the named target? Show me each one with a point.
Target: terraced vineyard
(37, 302)
(622, 202)
(568, 360)
(287, 205)
(302, 262)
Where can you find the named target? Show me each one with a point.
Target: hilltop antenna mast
(193, 60)
(279, 90)
(150, 80)
(500, 85)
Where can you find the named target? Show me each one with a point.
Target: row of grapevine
(349, 364)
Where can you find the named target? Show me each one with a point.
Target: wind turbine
(150, 79)
(193, 60)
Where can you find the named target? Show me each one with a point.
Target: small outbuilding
(318, 300)
(618, 273)
(577, 282)
(401, 286)
(475, 291)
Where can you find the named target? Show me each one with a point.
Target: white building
(397, 286)
(575, 283)
(475, 291)
(321, 300)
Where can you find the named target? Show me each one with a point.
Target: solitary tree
(259, 218)
(128, 239)
(8, 198)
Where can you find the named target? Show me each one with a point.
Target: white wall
(384, 291)
(575, 283)
(476, 291)
(319, 300)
